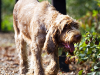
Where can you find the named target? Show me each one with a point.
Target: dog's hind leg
(21, 48)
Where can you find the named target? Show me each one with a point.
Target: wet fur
(41, 27)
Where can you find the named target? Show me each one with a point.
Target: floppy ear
(62, 25)
(50, 42)
(62, 21)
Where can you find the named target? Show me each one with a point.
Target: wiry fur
(42, 28)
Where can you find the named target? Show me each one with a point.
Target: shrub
(89, 51)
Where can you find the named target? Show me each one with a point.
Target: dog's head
(69, 34)
(65, 32)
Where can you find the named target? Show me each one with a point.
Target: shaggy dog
(42, 27)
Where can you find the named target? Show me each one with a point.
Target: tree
(16, 0)
(60, 5)
(79, 8)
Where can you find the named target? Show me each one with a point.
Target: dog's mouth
(69, 47)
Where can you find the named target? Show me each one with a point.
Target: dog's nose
(78, 37)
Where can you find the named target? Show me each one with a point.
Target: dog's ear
(62, 25)
(63, 21)
(50, 42)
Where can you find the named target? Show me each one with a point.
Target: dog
(42, 27)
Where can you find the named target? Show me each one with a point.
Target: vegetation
(7, 18)
(88, 51)
(79, 8)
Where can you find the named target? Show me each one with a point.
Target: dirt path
(8, 56)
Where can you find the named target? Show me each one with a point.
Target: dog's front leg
(36, 60)
(53, 67)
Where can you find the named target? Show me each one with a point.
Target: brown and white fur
(42, 27)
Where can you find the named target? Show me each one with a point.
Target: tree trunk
(60, 5)
(16, 0)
